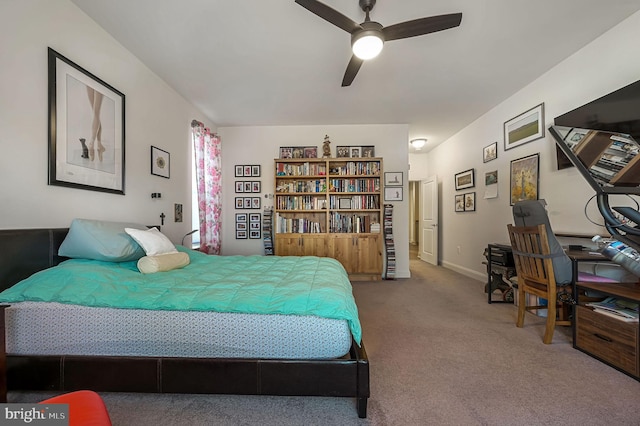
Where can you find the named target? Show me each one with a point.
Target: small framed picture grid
(242, 225)
(255, 223)
(251, 170)
(248, 186)
(244, 203)
(248, 225)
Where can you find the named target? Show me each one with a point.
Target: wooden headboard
(27, 251)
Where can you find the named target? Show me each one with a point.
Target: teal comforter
(287, 285)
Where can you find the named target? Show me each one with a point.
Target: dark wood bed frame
(26, 251)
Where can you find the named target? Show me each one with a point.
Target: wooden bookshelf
(331, 207)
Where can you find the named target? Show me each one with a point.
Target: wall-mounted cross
(162, 216)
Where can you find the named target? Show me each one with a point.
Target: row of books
(296, 226)
(369, 168)
(304, 169)
(622, 309)
(300, 202)
(353, 223)
(356, 202)
(355, 185)
(302, 186)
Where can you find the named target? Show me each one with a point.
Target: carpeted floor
(440, 355)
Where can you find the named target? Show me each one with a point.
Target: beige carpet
(440, 355)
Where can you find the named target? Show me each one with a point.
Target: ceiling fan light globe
(367, 46)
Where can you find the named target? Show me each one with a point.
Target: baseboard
(466, 271)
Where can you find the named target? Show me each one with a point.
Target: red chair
(86, 408)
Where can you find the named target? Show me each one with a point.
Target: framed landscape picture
(524, 128)
(465, 179)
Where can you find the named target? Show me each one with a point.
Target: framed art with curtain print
(86, 129)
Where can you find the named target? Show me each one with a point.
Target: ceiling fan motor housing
(367, 5)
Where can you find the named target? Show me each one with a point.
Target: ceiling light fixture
(367, 43)
(417, 144)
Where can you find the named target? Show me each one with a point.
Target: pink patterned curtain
(206, 146)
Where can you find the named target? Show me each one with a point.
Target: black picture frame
(459, 203)
(469, 201)
(77, 157)
(464, 180)
(490, 152)
(524, 128)
(239, 171)
(255, 170)
(160, 162)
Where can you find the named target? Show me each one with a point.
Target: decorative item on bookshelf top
(362, 151)
(299, 152)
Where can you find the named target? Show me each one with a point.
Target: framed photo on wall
(524, 128)
(86, 129)
(465, 179)
(393, 193)
(490, 152)
(160, 162)
(469, 201)
(393, 178)
(524, 178)
(459, 202)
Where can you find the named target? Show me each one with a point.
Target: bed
(166, 367)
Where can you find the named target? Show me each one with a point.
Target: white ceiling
(256, 62)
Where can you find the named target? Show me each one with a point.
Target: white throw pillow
(152, 241)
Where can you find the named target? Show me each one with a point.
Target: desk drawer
(609, 339)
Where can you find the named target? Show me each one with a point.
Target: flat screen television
(600, 139)
(617, 112)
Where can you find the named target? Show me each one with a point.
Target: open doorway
(414, 218)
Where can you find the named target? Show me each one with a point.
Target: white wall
(155, 115)
(260, 145)
(605, 65)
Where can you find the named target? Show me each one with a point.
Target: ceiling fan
(368, 37)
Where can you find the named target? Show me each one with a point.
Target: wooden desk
(612, 341)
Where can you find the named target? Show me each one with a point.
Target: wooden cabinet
(608, 339)
(302, 245)
(331, 207)
(360, 255)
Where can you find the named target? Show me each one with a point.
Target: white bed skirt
(39, 328)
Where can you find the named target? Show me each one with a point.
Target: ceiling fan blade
(421, 26)
(352, 69)
(329, 14)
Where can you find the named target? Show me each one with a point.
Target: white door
(429, 220)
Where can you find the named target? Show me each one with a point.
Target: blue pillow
(101, 240)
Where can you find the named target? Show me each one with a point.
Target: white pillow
(152, 241)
